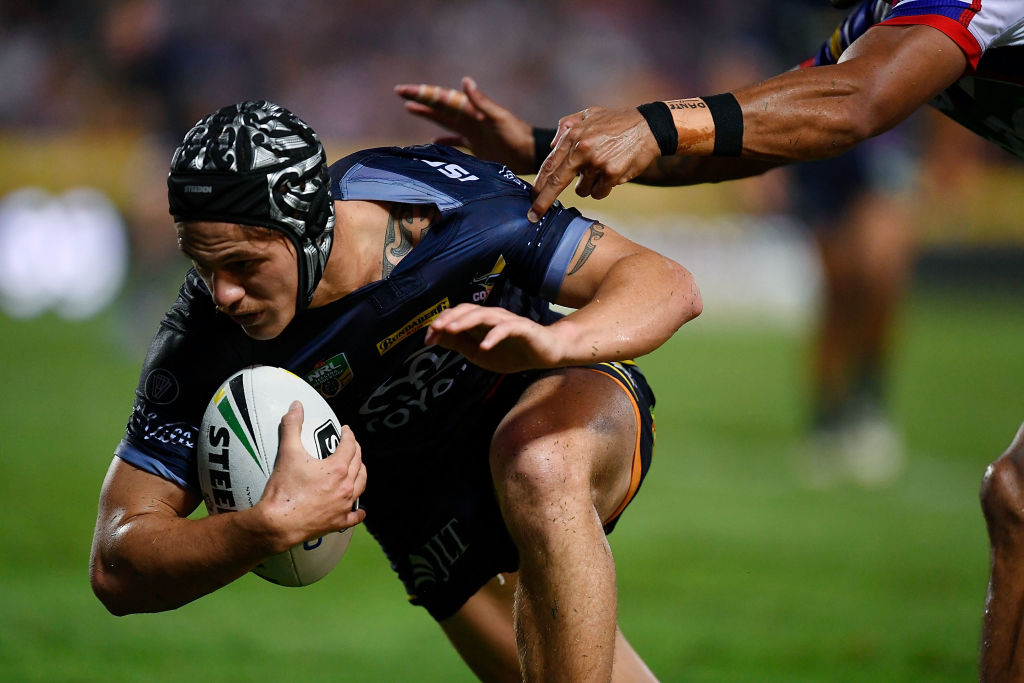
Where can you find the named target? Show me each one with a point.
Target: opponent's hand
(604, 147)
(306, 498)
(487, 128)
(496, 339)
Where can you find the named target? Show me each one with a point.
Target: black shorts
(434, 512)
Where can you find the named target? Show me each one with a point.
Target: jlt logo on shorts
(435, 559)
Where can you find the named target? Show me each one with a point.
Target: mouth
(246, 319)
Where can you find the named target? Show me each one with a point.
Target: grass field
(729, 568)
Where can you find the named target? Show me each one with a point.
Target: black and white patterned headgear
(256, 163)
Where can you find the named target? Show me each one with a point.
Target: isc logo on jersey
(453, 171)
(236, 453)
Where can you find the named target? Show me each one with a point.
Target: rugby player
(492, 443)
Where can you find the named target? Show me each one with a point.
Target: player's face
(251, 273)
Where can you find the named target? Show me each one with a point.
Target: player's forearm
(812, 114)
(796, 116)
(153, 562)
(641, 302)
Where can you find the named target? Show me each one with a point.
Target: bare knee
(536, 481)
(563, 455)
(1002, 489)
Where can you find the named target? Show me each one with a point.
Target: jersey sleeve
(972, 24)
(538, 254)
(960, 20)
(177, 379)
(484, 204)
(857, 22)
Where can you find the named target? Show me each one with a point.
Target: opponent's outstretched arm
(492, 131)
(630, 300)
(802, 115)
(147, 556)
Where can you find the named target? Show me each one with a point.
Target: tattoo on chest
(407, 224)
(596, 233)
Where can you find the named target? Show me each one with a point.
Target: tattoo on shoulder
(596, 233)
(407, 225)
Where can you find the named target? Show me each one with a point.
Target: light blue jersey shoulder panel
(365, 183)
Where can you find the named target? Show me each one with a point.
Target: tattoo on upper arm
(407, 225)
(596, 233)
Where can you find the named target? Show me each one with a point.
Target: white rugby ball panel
(236, 452)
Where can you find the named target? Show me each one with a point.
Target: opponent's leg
(561, 461)
(1002, 500)
(866, 258)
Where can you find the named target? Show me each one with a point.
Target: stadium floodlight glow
(66, 253)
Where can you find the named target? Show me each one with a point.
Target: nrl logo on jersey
(483, 284)
(330, 376)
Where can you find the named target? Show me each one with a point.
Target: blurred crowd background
(97, 94)
(158, 65)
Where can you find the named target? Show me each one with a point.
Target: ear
(319, 211)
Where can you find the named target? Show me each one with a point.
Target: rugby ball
(236, 453)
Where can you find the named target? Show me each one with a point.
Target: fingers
(484, 105)
(468, 326)
(342, 478)
(357, 515)
(461, 318)
(554, 176)
(586, 183)
(431, 94)
(558, 169)
(356, 479)
(442, 117)
(436, 98)
(602, 188)
(447, 327)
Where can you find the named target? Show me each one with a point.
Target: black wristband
(659, 118)
(728, 119)
(542, 139)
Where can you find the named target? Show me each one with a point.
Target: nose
(225, 290)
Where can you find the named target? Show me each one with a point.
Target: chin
(263, 333)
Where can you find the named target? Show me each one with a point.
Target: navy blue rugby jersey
(365, 352)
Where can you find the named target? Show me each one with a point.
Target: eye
(242, 266)
(203, 271)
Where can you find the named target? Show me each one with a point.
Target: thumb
(289, 432)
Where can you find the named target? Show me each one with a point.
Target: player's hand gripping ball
(237, 449)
